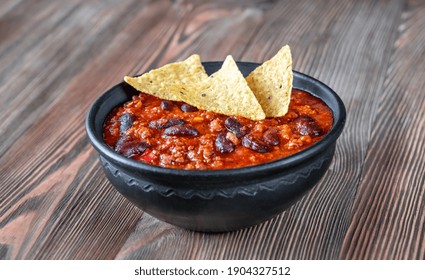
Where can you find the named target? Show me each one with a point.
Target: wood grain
(389, 205)
(56, 58)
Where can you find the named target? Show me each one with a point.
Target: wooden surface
(57, 57)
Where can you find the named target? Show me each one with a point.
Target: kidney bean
(167, 105)
(164, 123)
(235, 127)
(188, 108)
(130, 147)
(306, 125)
(126, 121)
(181, 130)
(271, 136)
(222, 144)
(255, 144)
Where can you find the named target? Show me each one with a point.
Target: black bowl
(216, 200)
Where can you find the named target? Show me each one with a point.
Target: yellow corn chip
(272, 83)
(171, 80)
(226, 92)
(266, 92)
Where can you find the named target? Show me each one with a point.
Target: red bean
(167, 105)
(188, 108)
(306, 125)
(181, 130)
(255, 144)
(271, 136)
(222, 144)
(235, 127)
(130, 147)
(126, 121)
(164, 123)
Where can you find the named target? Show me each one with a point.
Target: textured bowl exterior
(235, 204)
(217, 200)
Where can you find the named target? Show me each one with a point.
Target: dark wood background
(57, 57)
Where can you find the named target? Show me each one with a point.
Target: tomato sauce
(177, 135)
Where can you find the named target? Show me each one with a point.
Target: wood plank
(389, 216)
(66, 205)
(36, 68)
(205, 30)
(346, 45)
(23, 35)
(16, 26)
(7, 6)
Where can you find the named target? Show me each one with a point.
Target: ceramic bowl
(216, 200)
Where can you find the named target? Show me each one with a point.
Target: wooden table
(57, 57)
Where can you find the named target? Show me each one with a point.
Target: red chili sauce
(177, 135)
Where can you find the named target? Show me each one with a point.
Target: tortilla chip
(171, 80)
(272, 83)
(226, 92)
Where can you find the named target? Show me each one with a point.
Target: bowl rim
(279, 164)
